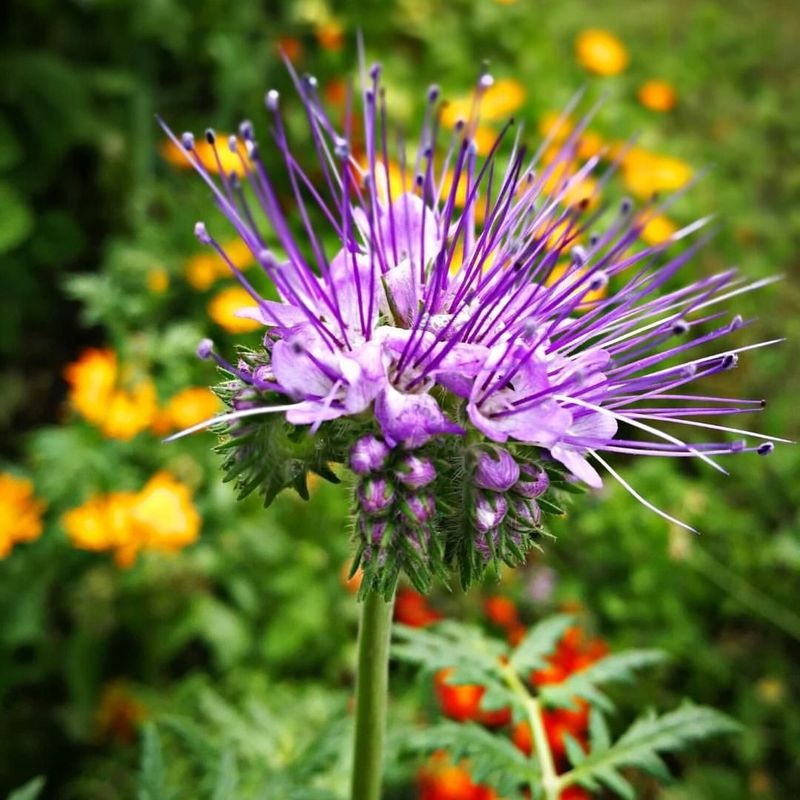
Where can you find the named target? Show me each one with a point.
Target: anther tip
(765, 449)
(201, 232)
(210, 135)
(205, 348)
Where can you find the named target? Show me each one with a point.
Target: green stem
(372, 682)
(541, 747)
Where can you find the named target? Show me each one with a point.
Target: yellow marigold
(20, 512)
(590, 144)
(657, 229)
(92, 379)
(94, 393)
(229, 161)
(224, 305)
(103, 522)
(164, 514)
(500, 100)
(186, 408)
(657, 95)
(646, 173)
(203, 270)
(130, 411)
(601, 52)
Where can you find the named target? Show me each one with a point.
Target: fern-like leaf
(539, 642)
(493, 760)
(643, 743)
(152, 776)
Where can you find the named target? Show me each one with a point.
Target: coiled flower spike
(430, 331)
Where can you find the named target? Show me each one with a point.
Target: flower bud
(415, 472)
(526, 515)
(419, 508)
(368, 455)
(533, 481)
(490, 509)
(497, 470)
(375, 496)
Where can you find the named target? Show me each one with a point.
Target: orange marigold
(658, 95)
(601, 52)
(20, 512)
(224, 305)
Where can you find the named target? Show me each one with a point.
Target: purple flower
(368, 455)
(497, 470)
(509, 347)
(533, 481)
(490, 510)
(415, 472)
(375, 496)
(420, 508)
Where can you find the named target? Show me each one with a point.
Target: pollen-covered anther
(201, 232)
(730, 360)
(680, 327)
(187, 140)
(205, 348)
(271, 100)
(765, 449)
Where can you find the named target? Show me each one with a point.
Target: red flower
(501, 611)
(411, 608)
(462, 702)
(440, 779)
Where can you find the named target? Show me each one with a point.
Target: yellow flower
(92, 379)
(186, 408)
(160, 517)
(157, 280)
(601, 52)
(20, 512)
(203, 269)
(101, 523)
(229, 161)
(646, 173)
(657, 95)
(657, 229)
(224, 305)
(164, 514)
(552, 125)
(500, 100)
(130, 411)
(94, 393)
(565, 276)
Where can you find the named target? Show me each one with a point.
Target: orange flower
(553, 125)
(657, 95)
(601, 52)
(330, 35)
(462, 701)
(225, 160)
(557, 723)
(351, 584)
(20, 512)
(646, 173)
(572, 655)
(157, 280)
(567, 275)
(203, 269)
(119, 714)
(291, 47)
(186, 408)
(440, 779)
(94, 393)
(102, 522)
(224, 305)
(411, 608)
(501, 611)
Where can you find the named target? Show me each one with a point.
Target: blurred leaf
(16, 221)
(30, 791)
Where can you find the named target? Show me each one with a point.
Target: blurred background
(135, 589)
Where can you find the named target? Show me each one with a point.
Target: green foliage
(30, 791)
(504, 673)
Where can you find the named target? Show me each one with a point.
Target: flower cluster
(20, 512)
(161, 517)
(459, 324)
(123, 405)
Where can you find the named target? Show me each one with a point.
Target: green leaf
(493, 760)
(16, 221)
(29, 791)
(616, 668)
(641, 745)
(226, 787)
(539, 642)
(152, 777)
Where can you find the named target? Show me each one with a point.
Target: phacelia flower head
(468, 303)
